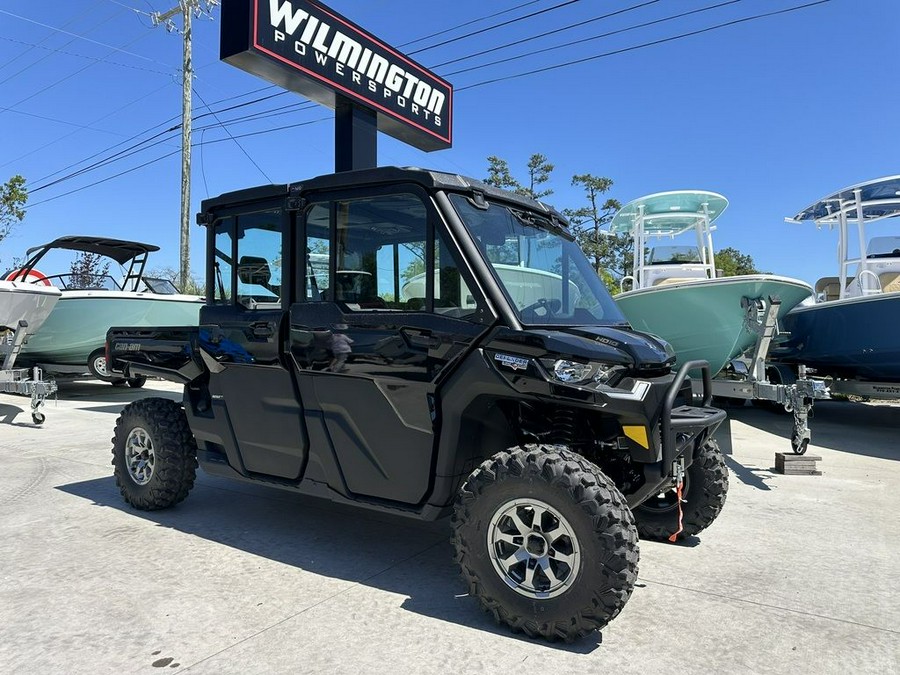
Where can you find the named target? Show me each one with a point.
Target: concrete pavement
(799, 574)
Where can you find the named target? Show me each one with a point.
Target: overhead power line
(225, 128)
(468, 23)
(74, 19)
(577, 24)
(653, 43)
(495, 26)
(146, 131)
(170, 154)
(594, 37)
(78, 56)
(81, 37)
(142, 146)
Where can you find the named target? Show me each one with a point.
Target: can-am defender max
(422, 343)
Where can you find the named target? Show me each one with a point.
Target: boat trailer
(19, 380)
(749, 378)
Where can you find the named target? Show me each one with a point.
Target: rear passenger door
(244, 329)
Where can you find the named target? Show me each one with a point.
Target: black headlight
(580, 374)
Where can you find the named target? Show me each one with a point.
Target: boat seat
(890, 282)
(676, 280)
(830, 287)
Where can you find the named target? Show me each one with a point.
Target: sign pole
(355, 136)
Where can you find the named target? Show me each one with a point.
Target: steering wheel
(543, 308)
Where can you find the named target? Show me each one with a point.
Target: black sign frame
(326, 57)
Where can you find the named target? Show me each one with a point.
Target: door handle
(420, 338)
(262, 329)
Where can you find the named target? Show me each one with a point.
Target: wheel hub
(536, 545)
(100, 365)
(533, 548)
(140, 456)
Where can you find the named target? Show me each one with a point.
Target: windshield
(672, 255)
(544, 274)
(160, 286)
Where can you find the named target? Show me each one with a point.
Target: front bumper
(682, 429)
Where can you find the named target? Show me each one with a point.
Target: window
(317, 252)
(544, 274)
(248, 260)
(386, 257)
(222, 267)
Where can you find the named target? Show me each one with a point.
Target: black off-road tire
(704, 492)
(137, 382)
(599, 520)
(160, 427)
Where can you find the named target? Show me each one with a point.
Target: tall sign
(305, 47)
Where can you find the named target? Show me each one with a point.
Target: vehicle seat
(254, 270)
(415, 304)
(830, 287)
(890, 282)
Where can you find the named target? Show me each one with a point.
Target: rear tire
(545, 542)
(704, 492)
(154, 454)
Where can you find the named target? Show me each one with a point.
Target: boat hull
(704, 319)
(853, 338)
(78, 324)
(21, 301)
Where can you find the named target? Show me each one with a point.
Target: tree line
(611, 255)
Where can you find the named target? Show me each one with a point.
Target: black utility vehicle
(421, 343)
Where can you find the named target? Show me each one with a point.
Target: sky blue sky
(772, 113)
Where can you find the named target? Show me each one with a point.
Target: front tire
(154, 454)
(545, 542)
(703, 495)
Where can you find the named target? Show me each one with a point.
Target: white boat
(22, 301)
(72, 338)
(677, 291)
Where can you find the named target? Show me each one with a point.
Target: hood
(594, 343)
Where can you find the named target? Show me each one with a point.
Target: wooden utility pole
(187, 8)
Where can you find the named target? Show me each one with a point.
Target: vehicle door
(386, 310)
(244, 330)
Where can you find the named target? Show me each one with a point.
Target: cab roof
(428, 179)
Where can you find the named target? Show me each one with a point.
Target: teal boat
(676, 291)
(72, 338)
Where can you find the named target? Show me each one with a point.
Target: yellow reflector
(638, 434)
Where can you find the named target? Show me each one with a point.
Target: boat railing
(868, 282)
(628, 278)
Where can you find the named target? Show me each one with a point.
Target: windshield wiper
(540, 222)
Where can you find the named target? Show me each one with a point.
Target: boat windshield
(546, 277)
(673, 255)
(883, 247)
(84, 281)
(160, 286)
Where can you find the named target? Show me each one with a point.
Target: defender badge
(514, 362)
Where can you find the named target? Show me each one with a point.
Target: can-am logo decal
(309, 48)
(514, 362)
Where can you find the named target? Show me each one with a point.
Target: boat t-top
(73, 336)
(677, 292)
(850, 333)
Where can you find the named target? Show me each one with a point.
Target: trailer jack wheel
(799, 444)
